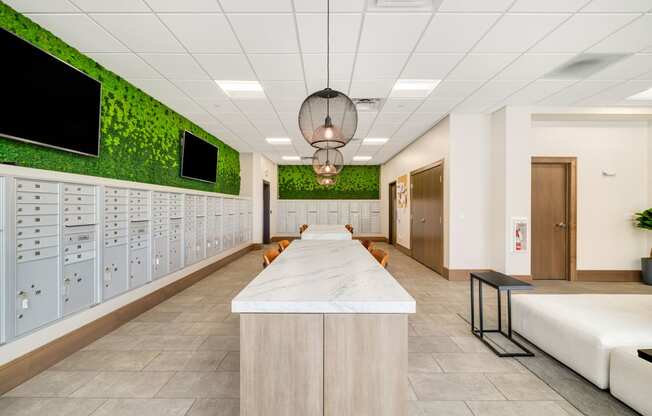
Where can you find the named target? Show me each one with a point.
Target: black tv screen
(198, 158)
(45, 101)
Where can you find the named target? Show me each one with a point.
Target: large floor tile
(53, 384)
(511, 408)
(125, 384)
(422, 363)
(203, 385)
(221, 343)
(432, 344)
(215, 407)
(231, 362)
(170, 342)
(107, 360)
(431, 386)
(186, 361)
(441, 408)
(40, 406)
(476, 363)
(144, 407)
(523, 387)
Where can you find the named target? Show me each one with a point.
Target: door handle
(422, 220)
(561, 225)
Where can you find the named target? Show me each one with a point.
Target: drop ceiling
(488, 53)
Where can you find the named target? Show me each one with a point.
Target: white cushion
(630, 379)
(581, 330)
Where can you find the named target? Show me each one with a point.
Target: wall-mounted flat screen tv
(45, 101)
(198, 158)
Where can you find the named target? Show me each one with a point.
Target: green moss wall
(355, 182)
(139, 135)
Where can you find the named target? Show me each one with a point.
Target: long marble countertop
(326, 232)
(324, 276)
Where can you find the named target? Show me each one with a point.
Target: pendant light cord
(328, 43)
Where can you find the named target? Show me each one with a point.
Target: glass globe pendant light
(327, 162)
(328, 118)
(326, 180)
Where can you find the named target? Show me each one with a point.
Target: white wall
(649, 180)
(254, 169)
(469, 171)
(606, 239)
(246, 174)
(429, 148)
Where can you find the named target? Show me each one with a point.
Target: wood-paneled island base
(323, 331)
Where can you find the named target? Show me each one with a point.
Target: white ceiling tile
(632, 38)
(622, 91)
(319, 6)
(288, 105)
(216, 107)
(127, 65)
(113, 6)
(277, 67)
(79, 31)
(449, 89)
(206, 89)
(365, 120)
(437, 106)
(344, 34)
(161, 89)
(40, 6)
(430, 66)
(518, 32)
(531, 66)
(474, 5)
(202, 33)
(611, 6)
(255, 107)
(547, 6)
(576, 92)
(265, 33)
(184, 6)
(233, 67)
(281, 90)
(175, 66)
(258, 6)
(537, 91)
(316, 84)
(140, 32)
(388, 117)
(401, 105)
(371, 89)
(378, 36)
(315, 66)
(374, 66)
(270, 128)
(480, 66)
(291, 124)
(633, 66)
(380, 129)
(497, 90)
(234, 119)
(416, 125)
(582, 31)
(455, 32)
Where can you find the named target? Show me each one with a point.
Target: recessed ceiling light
(241, 89)
(361, 158)
(644, 95)
(414, 88)
(291, 158)
(374, 141)
(278, 140)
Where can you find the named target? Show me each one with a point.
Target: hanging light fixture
(326, 180)
(327, 162)
(328, 118)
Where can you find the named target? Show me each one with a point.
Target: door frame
(571, 207)
(392, 217)
(267, 213)
(438, 163)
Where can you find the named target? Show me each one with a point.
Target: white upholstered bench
(630, 379)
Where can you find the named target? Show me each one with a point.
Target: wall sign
(402, 191)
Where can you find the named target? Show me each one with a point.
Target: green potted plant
(644, 220)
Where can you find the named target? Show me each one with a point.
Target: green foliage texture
(354, 182)
(140, 137)
(644, 219)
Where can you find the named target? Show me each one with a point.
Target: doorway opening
(392, 213)
(554, 218)
(427, 216)
(266, 213)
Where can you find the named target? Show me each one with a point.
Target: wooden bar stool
(381, 256)
(269, 256)
(283, 244)
(367, 244)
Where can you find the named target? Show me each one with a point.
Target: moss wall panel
(355, 182)
(139, 136)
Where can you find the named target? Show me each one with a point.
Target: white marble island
(323, 331)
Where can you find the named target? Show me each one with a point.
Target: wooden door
(392, 213)
(427, 240)
(266, 212)
(550, 224)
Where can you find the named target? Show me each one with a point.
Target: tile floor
(181, 357)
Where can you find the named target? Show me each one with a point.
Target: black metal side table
(645, 354)
(502, 283)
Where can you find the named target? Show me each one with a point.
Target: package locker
(115, 255)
